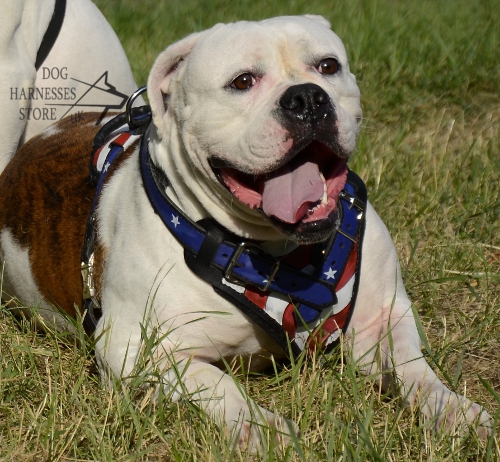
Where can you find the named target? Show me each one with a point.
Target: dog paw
(252, 434)
(455, 414)
(464, 417)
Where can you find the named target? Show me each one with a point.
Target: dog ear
(165, 66)
(320, 19)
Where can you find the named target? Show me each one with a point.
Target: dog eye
(328, 66)
(243, 82)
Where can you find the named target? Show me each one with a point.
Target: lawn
(429, 152)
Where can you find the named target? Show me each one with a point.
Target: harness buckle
(89, 291)
(354, 202)
(230, 276)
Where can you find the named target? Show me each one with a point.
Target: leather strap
(51, 33)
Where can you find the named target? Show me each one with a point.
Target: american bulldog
(57, 57)
(231, 228)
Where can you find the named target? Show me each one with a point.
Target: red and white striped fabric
(123, 139)
(326, 328)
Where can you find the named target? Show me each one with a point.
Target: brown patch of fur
(46, 196)
(100, 255)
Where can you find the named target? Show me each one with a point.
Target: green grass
(429, 152)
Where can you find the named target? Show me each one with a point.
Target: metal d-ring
(130, 103)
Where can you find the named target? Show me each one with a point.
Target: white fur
(16, 280)
(86, 47)
(146, 282)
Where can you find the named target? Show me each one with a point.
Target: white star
(174, 220)
(106, 166)
(330, 274)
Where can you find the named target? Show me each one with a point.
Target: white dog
(58, 57)
(241, 174)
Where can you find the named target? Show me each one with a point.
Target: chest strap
(110, 142)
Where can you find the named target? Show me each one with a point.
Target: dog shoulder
(47, 194)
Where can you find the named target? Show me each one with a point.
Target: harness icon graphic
(100, 94)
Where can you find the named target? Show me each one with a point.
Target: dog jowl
(237, 200)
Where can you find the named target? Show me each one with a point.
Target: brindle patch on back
(45, 198)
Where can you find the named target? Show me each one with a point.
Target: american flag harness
(303, 300)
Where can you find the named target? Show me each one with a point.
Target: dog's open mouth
(301, 195)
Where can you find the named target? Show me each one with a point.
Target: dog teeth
(316, 207)
(324, 198)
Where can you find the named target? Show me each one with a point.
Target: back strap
(51, 33)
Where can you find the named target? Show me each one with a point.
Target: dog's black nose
(307, 102)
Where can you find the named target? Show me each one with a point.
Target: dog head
(255, 122)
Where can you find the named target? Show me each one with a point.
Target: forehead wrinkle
(293, 60)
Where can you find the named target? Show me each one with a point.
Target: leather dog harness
(302, 300)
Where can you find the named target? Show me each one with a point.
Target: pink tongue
(288, 194)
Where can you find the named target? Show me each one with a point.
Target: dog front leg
(397, 357)
(225, 401)
(385, 339)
